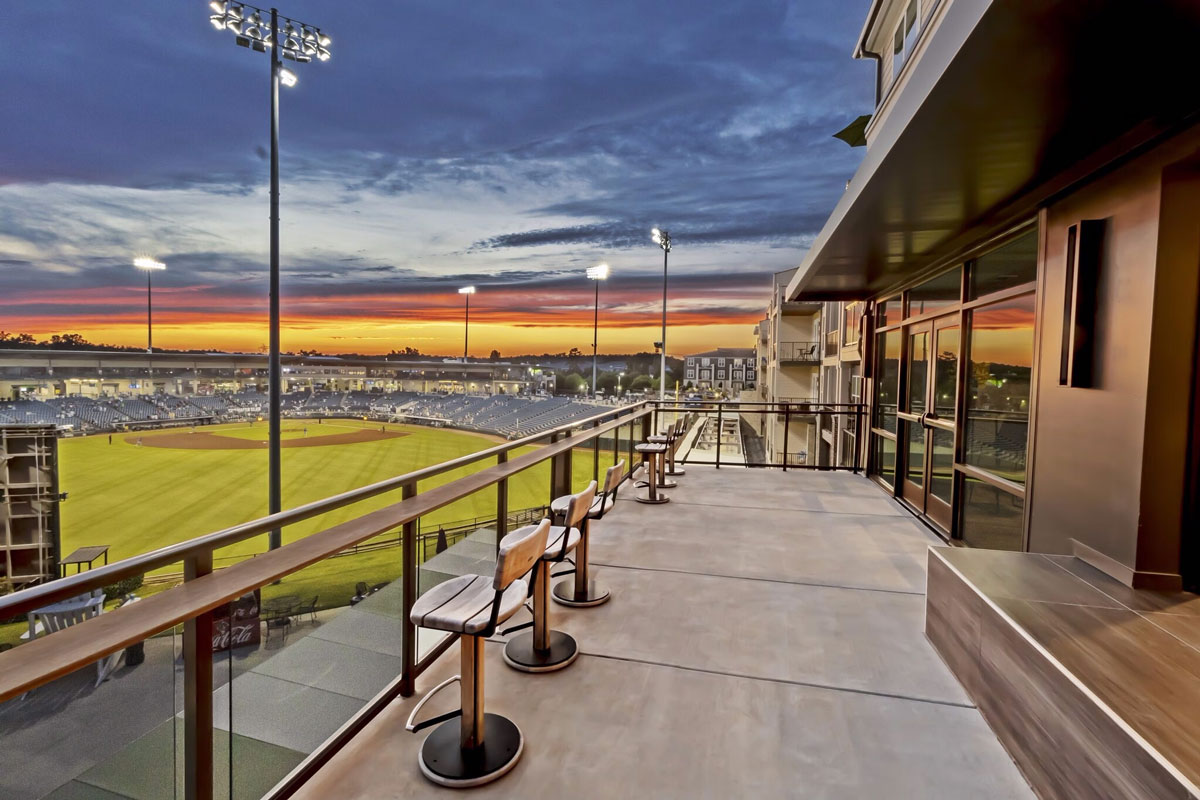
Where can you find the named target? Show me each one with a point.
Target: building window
(905, 37)
(999, 369)
(1014, 264)
(887, 380)
(938, 294)
(851, 319)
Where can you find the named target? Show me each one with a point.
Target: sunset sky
(447, 142)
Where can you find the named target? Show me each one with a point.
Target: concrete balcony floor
(764, 639)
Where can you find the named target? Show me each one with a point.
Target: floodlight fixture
(142, 262)
(287, 77)
(297, 41)
(467, 290)
(598, 272)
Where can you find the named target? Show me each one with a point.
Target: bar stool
(478, 747)
(542, 649)
(668, 438)
(584, 592)
(652, 455)
(680, 430)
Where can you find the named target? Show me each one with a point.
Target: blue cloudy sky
(505, 144)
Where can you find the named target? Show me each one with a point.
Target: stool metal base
(642, 498)
(564, 594)
(667, 483)
(677, 471)
(444, 762)
(520, 654)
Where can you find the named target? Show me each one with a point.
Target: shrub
(121, 588)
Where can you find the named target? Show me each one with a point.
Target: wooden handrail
(42, 660)
(44, 594)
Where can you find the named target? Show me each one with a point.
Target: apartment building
(729, 369)
(788, 349)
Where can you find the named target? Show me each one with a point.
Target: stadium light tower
(301, 43)
(149, 266)
(466, 292)
(663, 240)
(597, 273)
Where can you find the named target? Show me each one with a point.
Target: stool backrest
(580, 505)
(612, 478)
(519, 551)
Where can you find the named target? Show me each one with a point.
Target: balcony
(769, 621)
(764, 634)
(792, 353)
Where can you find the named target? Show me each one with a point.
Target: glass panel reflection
(1012, 265)
(884, 459)
(887, 380)
(914, 458)
(990, 517)
(941, 466)
(936, 294)
(945, 372)
(999, 363)
(918, 370)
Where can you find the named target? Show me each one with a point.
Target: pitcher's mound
(215, 441)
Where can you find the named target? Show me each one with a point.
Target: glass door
(930, 401)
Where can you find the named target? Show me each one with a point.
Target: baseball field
(139, 491)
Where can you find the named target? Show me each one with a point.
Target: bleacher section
(505, 415)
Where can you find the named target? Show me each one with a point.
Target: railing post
(629, 448)
(560, 472)
(787, 417)
(596, 453)
(501, 503)
(720, 408)
(647, 424)
(858, 442)
(198, 693)
(616, 434)
(408, 642)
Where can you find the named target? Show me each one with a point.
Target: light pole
(597, 273)
(663, 240)
(620, 377)
(149, 266)
(299, 42)
(466, 292)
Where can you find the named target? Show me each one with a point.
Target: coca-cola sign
(236, 624)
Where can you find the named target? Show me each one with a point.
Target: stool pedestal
(581, 591)
(541, 650)
(651, 454)
(477, 748)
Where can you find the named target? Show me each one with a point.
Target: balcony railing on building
(799, 352)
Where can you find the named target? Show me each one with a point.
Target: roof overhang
(1010, 104)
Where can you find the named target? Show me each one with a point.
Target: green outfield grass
(138, 498)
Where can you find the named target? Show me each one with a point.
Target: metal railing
(792, 439)
(205, 590)
(803, 352)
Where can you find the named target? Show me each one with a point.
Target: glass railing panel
(109, 729)
(297, 658)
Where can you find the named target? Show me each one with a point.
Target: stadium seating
(505, 415)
